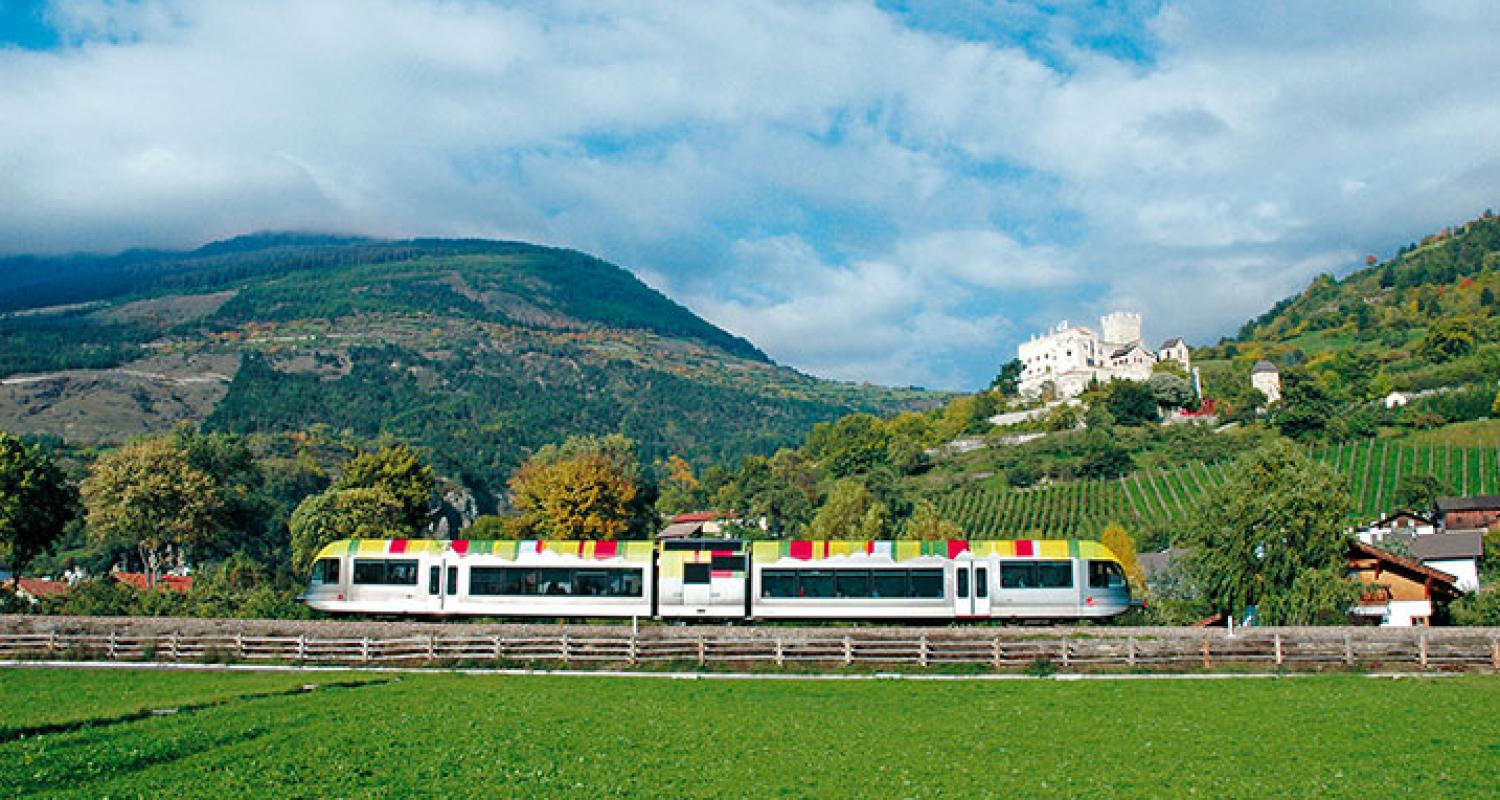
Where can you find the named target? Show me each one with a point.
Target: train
(722, 580)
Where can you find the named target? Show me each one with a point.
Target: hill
(1425, 319)
(477, 350)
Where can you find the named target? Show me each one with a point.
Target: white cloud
(862, 196)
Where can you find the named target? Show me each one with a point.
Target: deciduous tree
(401, 474)
(1273, 537)
(587, 488)
(35, 502)
(358, 513)
(851, 512)
(147, 494)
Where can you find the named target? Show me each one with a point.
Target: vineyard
(1083, 508)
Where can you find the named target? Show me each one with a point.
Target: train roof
(762, 551)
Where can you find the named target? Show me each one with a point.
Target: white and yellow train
(722, 579)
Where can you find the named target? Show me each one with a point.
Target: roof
(1448, 545)
(1172, 342)
(1479, 502)
(767, 551)
(137, 580)
(42, 587)
(1264, 366)
(1398, 514)
(507, 549)
(1125, 351)
(680, 529)
(1440, 578)
(699, 516)
(1154, 565)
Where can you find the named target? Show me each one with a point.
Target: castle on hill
(1068, 358)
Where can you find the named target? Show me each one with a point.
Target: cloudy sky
(888, 191)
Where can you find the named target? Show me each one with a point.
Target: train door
(971, 584)
(442, 584)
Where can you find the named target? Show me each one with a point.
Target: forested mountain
(477, 350)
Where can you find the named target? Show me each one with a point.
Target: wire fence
(1311, 648)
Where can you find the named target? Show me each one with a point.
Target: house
(1457, 554)
(34, 590)
(1177, 350)
(1402, 521)
(180, 584)
(703, 523)
(1477, 513)
(1068, 358)
(1399, 591)
(1266, 378)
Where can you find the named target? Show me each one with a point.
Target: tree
(851, 512)
(1305, 408)
(1008, 381)
(1419, 492)
(1120, 542)
(147, 495)
(588, 488)
(400, 473)
(358, 513)
(1273, 537)
(1449, 339)
(854, 444)
(925, 523)
(1170, 391)
(36, 502)
(1131, 403)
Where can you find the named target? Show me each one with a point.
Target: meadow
(443, 734)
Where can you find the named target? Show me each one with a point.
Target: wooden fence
(1310, 648)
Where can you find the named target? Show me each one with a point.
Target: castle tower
(1121, 327)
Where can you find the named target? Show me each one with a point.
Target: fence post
(566, 650)
(1279, 656)
(1208, 660)
(702, 652)
(176, 641)
(781, 652)
(301, 647)
(51, 642)
(1495, 653)
(1422, 650)
(922, 651)
(1130, 651)
(634, 646)
(1067, 646)
(113, 647)
(364, 649)
(1348, 650)
(996, 654)
(848, 651)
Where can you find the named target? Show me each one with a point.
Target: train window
(889, 583)
(524, 581)
(1055, 574)
(557, 581)
(851, 583)
(434, 574)
(1018, 575)
(815, 583)
(453, 580)
(697, 573)
(982, 582)
(778, 583)
(1105, 575)
(926, 583)
(963, 580)
(325, 571)
(729, 563)
(402, 572)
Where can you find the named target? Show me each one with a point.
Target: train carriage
(722, 579)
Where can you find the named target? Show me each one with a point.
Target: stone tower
(1121, 327)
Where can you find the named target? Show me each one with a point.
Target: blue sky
(896, 192)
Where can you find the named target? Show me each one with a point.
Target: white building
(1267, 378)
(1068, 358)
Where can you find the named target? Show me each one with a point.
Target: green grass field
(512, 736)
